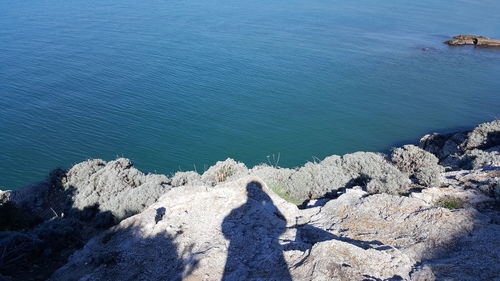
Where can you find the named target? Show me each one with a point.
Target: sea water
(179, 84)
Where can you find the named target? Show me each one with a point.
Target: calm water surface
(176, 84)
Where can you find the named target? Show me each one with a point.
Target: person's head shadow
(253, 231)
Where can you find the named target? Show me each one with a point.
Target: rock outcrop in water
(422, 213)
(480, 41)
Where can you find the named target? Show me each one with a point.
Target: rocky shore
(425, 212)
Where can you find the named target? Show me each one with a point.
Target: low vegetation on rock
(419, 164)
(450, 202)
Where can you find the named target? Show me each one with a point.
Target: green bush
(450, 202)
(282, 192)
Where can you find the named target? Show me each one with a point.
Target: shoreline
(453, 174)
(170, 173)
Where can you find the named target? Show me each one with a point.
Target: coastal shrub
(334, 174)
(132, 201)
(17, 249)
(280, 178)
(443, 145)
(483, 136)
(56, 178)
(13, 217)
(383, 176)
(450, 202)
(60, 233)
(317, 180)
(475, 159)
(224, 170)
(284, 193)
(116, 186)
(107, 237)
(418, 164)
(186, 178)
(105, 219)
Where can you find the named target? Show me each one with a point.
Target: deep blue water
(176, 84)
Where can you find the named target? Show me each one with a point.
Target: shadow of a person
(253, 230)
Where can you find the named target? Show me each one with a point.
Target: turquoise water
(178, 84)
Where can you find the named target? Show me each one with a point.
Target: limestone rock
(471, 182)
(468, 196)
(336, 260)
(411, 225)
(191, 233)
(241, 230)
(472, 257)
